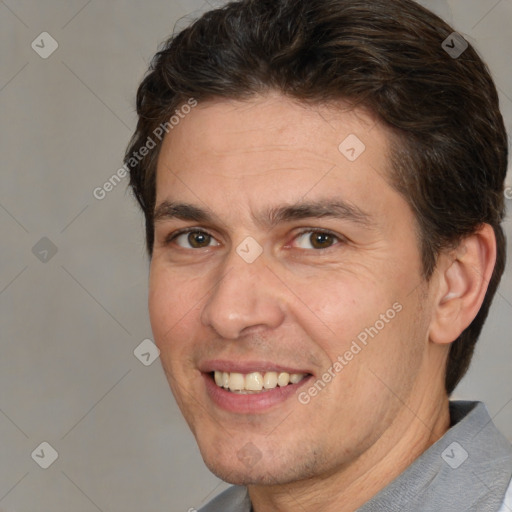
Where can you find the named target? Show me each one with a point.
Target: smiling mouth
(255, 382)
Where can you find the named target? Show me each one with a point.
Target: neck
(353, 484)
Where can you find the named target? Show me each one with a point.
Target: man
(323, 210)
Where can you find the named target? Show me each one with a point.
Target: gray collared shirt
(468, 470)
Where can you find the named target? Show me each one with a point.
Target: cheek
(347, 306)
(160, 304)
(369, 324)
(172, 303)
(172, 306)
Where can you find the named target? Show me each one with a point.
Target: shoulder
(507, 503)
(234, 499)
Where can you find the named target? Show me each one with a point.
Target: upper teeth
(256, 381)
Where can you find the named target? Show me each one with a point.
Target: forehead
(271, 147)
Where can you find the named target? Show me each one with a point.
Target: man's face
(334, 283)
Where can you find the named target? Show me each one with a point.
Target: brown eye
(321, 240)
(316, 240)
(198, 239)
(194, 240)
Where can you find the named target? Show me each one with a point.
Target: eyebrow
(338, 209)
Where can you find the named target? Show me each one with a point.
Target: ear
(462, 277)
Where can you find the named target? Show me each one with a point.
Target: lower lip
(251, 403)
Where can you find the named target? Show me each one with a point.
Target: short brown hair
(450, 151)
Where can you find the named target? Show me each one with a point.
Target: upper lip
(223, 365)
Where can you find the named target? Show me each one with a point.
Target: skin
(302, 306)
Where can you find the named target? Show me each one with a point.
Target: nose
(246, 297)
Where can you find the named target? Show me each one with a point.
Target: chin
(237, 467)
(242, 477)
(248, 467)
(236, 474)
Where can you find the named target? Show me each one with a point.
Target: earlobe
(463, 276)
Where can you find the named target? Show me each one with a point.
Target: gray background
(70, 323)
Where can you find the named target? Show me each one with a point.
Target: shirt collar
(469, 468)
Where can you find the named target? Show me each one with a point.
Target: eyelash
(169, 239)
